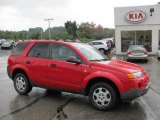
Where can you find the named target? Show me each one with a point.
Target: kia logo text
(135, 16)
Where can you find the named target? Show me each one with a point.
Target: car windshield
(134, 48)
(90, 52)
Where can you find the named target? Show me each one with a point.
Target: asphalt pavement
(42, 104)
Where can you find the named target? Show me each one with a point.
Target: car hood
(119, 65)
(6, 44)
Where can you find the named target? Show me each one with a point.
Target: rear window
(97, 43)
(19, 49)
(136, 48)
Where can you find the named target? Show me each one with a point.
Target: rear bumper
(137, 57)
(134, 93)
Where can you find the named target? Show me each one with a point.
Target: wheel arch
(19, 70)
(101, 79)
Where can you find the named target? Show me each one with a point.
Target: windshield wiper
(104, 59)
(100, 60)
(95, 60)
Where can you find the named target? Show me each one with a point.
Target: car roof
(49, 41)
(96, 41)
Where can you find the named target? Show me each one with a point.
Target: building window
(136, 38)
(159, 41)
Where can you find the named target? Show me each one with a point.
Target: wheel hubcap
(102, 51)
(101, 96)
(20, 84)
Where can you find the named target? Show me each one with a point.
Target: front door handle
(53, 65)
(28, 62)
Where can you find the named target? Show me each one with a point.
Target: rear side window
(39, 50)
(20, 47)
(97, 43)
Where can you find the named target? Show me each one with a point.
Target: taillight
(129, 53)
(145, 52)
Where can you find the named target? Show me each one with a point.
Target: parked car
(1, 41)
(78, 68)
(137, 52)
(158, 54)
(7, 45)
(102, 46)
(110, 42)
(78, 41)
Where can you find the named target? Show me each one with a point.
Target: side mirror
(73, 59)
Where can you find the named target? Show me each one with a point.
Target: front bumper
(134, 93)
(9, 74)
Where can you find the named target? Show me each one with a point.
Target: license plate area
(138, 53)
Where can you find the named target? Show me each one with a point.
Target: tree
(90, 31)
(71, 28)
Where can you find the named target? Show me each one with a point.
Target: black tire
(146, 60)
(102, 50)
(106, 91)
(158, 57)
(24, 86)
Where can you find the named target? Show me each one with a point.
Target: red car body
(78, 78)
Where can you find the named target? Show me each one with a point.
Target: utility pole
(41, 34)
(49, 27)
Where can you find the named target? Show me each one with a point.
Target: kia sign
(135, 16)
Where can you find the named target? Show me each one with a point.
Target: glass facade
(159, 40)
(136, 38)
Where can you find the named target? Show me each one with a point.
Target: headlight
(135, 75)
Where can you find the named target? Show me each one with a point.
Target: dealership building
(138, 25)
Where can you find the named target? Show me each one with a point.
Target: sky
(16, 15)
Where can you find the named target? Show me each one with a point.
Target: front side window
(39, 50)
(61, 52)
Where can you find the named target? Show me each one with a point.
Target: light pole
(41, 34)
(49, 27)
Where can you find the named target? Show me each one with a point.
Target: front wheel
(102, 50)
(21, 84)
(102, 96)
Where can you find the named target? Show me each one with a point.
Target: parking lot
(42, 104)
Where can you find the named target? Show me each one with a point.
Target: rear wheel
(158, 57)
(102, 96)
(21, 84)
(146, 60)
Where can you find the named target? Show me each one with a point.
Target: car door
(62, 74)
(37, 63)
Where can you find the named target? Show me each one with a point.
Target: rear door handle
(28, 62)
(53, 65)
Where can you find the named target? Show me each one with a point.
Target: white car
(102, 46)
(158, 54)
(1, 41)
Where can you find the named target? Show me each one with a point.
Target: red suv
(78, 68)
